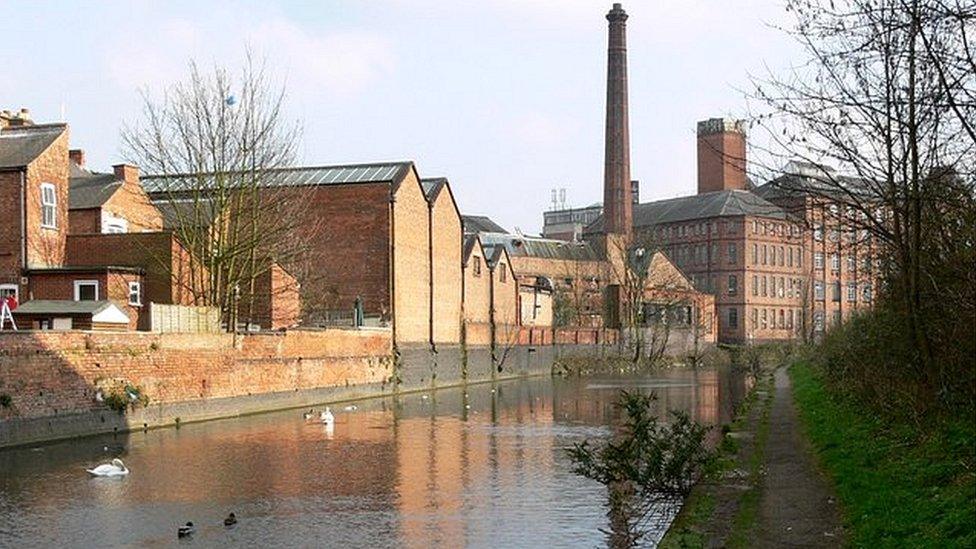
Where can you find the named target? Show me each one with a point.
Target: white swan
(326, 416)
(308, 415)
(114, 469)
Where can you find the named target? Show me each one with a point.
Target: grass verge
(899, 485)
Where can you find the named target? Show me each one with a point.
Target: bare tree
(215, 144)
(887, 99)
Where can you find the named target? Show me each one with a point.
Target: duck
(186, 530)
(309, 414)
(114, 469)
(326, 416)
(230, 520)
(351, 408)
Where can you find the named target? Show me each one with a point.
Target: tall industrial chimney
(617, 203)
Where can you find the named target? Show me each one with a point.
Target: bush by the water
(648, 467)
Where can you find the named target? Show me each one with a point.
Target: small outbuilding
(50, 314)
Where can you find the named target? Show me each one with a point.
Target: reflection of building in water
(446, 466)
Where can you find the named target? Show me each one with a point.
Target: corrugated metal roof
(92, 190)
(383, 172)
(699, 206)
(20, 145)
(432, 186)
(530, 246)
(480, 224)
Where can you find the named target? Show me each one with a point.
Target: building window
(764, 319)
(49, 206)
(714, 253)
(781, 323)
(733, 284)
(851, 291)
(502, 277)
(755, 318)
(799, 258)
(781, 287)
(818, 321)
(8, 291)
(86, 290)
(789, 258)
(834, 262)
(477, 266)
(789, 319)
(818, 291)
(764, 255)
(733, 317)
(755, 285)
(135, 293)
(764, 286)
(818, 260)
(835, 294)
(114, 225)
(755, 254)
(851, 263)
(818, 232)
(733, 254)
(866, 292)
(781, 254)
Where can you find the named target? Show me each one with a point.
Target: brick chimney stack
(617, 206)
(77, 156)
(721, 155)
(127, 173)
(10, 120)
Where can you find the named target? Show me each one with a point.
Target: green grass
(899, 485)
(747, 517)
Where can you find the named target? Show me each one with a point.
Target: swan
(114, 469)
(327, 417)
(185, 531)
(351, 408)
(308, 415)
(230, 520)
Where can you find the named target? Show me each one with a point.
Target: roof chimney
(127, 173)
(22, 118)
(721, 155)
(617, 206)
(77, 156)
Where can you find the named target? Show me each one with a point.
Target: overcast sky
(506, 98)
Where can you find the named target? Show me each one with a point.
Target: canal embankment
(56, 385)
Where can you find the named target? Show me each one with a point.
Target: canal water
(481, 466)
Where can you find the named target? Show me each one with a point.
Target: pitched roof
(63, 306)
(698, 206)
(480, 224)
(432, 186)
(531, 246)
(20, 145)
(91, 190)
(470, 241)
(380, 172)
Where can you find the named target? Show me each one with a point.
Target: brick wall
(411, 271)
(276, 300)
(85, 221)
(10, 213)
(132, 203)
(446, 254)
(45, 246)
(51, 373)
(347, 231)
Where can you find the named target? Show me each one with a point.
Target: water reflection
(480, 466)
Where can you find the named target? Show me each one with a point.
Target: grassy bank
(899, 484)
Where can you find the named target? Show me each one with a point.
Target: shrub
(648, 468)
(6, 401)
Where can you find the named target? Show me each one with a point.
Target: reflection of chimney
(721, 155)
(127, 173)
(77, 156)
(617, 206)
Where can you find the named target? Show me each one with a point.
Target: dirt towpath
(797, 507)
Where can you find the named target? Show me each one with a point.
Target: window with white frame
(49, 206)
(866, 292)
(9, 290)
(818, 260)
(834, 262)
(733, 254)
(818, 321)
(135, 293)
(113, 224)
(851, 291)
(86, 290)
(733, 285)
(818, 290)
(818, 232)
